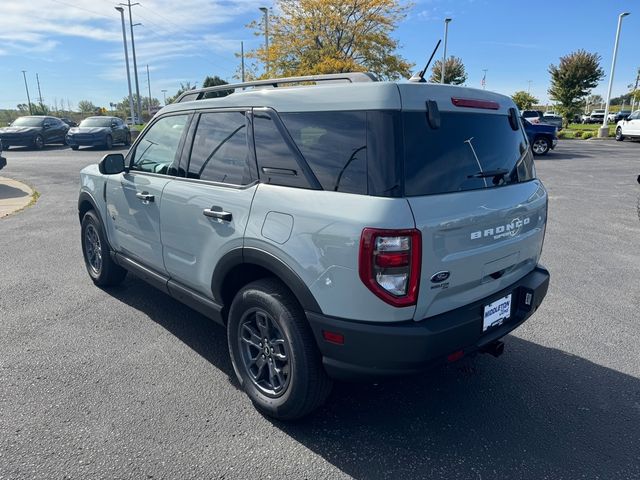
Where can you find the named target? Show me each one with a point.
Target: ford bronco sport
(339, 228)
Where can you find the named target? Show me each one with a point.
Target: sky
(76, 48)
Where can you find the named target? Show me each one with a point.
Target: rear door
(471, 186)
(205, 214)
(134, 198)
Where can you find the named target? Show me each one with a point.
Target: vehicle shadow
(7, 191)
(536, 412)
(16, 148)
(560, 155)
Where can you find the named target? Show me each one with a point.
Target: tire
(101, 268)
(108, 142)
(619, 136)
(38, 142)
(127, 140)
(286, 381)
(75, 147)
(540, 146)
(6, 147)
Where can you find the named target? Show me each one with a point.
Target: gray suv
(339, 228)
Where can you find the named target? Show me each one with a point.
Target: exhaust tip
(495, 348)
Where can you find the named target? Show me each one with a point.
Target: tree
(183, 88)
(85, 106)
(524, 100)
(214, 82)
(309, 37)
(594, 100)
(572, 80)
(454, 71)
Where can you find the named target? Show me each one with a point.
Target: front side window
(158, 149)
(220, 151)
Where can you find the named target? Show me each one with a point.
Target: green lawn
(570, 132)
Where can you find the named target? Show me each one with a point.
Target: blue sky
(76, 45)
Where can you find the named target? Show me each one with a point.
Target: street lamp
(27, 89)
(265, 10)
(604, 130)
(444, 51)
(164, 97)
(126, 61)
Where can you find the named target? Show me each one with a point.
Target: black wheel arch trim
(87, 197)
(268, 261)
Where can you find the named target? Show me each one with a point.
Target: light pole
(529, 87)
(604, 130)
(133, 52)
(444, 51)
(126, 61)
(26, 87)
(265, 10)
(164, 97)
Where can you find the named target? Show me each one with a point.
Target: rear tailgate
(484, 240)
(470, 181)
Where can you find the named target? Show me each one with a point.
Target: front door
(134, 198)
(205, 214)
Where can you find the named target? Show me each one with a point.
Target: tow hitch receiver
(494, 348)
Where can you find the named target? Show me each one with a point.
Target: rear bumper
(376, 350)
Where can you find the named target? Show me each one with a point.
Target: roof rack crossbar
(353, 77)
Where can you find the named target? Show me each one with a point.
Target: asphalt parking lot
(128, 383)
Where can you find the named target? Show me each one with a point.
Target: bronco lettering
(511, 229)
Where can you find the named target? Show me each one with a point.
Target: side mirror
(114, 124)
(112, 164)
(46, 125)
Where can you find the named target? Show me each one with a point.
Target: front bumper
(86, 141)
(376, 350)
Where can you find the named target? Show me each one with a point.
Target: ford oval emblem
(440, 276)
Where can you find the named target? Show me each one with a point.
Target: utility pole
(265, 10)
(126, 61)
(484, 79)
(40, 94)
(242, 57)
(529, 87)
(149, 85)
(133, 51)
(164, 97)
(635, 90)
(27, 89)
(444, 51)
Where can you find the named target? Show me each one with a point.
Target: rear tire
(101, 268)
(127, 141)
(75, 147)
(619, 136)
(108, 142)
(38, 142)
(540, 146)
(284, 376)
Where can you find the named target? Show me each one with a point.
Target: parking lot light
(444, 51)
(604, 130)
(126, 60)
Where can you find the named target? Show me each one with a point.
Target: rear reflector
(455, 356)
(333, 337)
(473, 103)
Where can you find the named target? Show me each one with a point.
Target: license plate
(496, 312)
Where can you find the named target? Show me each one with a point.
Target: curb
(14, 196)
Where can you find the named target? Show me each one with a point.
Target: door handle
(218, 213)
(146, 197)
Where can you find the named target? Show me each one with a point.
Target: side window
(277, 163)
(159, 147)
(220, 151)
(334, 144)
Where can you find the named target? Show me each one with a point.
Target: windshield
(96, 122)
(27, 122)
(469, 151)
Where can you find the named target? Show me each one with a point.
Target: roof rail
(353, 77)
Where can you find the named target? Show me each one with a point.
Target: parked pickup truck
(542, 137)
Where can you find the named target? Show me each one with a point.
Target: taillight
(389, 264)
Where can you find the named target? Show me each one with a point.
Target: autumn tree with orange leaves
(309, 37)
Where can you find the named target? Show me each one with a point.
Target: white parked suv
(347, 229)
(629, 128)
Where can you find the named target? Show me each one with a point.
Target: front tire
(619, 136)
(540, 146)
(101, 268)
(127, 141)
(75, 147)
(273, 351)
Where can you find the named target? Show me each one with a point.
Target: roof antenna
(419, 77)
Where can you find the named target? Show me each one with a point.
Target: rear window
(463, 153)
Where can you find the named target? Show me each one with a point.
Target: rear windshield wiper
(498, 172)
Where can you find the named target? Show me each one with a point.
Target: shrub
(562, 134)
(587, 135)
(578, 134)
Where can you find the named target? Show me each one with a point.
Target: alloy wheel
(93, 249)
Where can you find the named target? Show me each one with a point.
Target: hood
(19, 129)
(89, 130)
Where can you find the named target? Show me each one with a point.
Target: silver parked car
(346, 229)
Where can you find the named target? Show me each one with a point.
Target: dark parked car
(34, 131)
(621, 115)
(99, 132)
(3, 161)
(542, 137)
